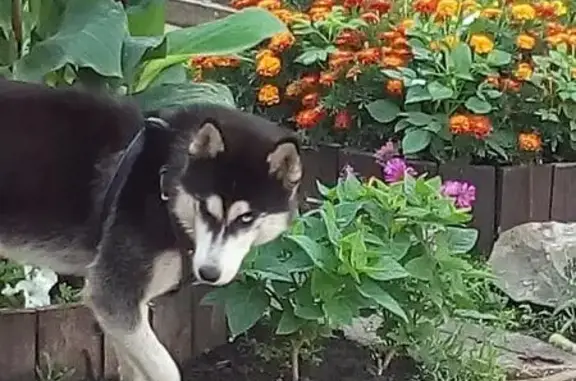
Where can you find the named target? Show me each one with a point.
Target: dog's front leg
(125, 320)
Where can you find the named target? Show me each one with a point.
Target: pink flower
(395, 169)
(385, 153)
(464, 194)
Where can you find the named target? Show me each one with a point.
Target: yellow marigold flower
(559, 8)
(529, 141)
(447, 8)
(269, 4)
(269, 95)
(408, 23)
(523, 71)
(523, 12)
(449, 41)
(525, 41)
(269, 66)
(491, 13)
(557, 39)
(481, 43)
(572, 40)
(281, 41)
(469, 6)
(263, 53)
(573, 72)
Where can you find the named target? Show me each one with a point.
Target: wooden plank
(484, 179)
(172, 322)
(319, 163)
(110, 361)
(563, 206)
(68, 337)
(210, 330)
(363, 162)
(193, 12)
(17, 345)
(523, 195)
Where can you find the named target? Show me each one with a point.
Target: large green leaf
(178, 95)
(90, 36)
(146, 17)
(5, 17)
(245, 304)
(383, 110)
(229, 35)
(372, 290)
(133, 49)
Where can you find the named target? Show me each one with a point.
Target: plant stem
(388, 358)
(17, 24)
(296, 346)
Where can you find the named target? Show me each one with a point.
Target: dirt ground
(342, 360)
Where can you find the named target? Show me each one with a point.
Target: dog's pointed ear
(286, 165)
(207, 142)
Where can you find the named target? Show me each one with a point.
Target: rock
(536, 262)
(523, 357)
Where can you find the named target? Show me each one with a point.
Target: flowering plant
(449, 79)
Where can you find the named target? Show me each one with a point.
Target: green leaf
(5, 17)
(477, 105)
(90, 36)
(339, 310)
(346, 212)
(371, 289)
(133, 49)
(421, 267)
(498, 58)
(316, 252)
(461, 57)
(245, 305)
(415, 140)
(289, 323)
(416, 94)
(460, 240)
(146, 17)
(383, 110)
(184, 94)
(312, 56)
(439, 92)
(230, 35)
(304, 305)
(385, 268)
(417, 118)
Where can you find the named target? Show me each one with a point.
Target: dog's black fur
(58, 151)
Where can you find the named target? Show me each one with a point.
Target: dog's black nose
(209, 273)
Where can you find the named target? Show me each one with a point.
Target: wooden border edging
(68, 336)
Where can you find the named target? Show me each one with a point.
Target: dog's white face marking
(222, 244)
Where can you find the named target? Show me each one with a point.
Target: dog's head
(237, 188)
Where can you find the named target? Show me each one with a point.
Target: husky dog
(224, 179)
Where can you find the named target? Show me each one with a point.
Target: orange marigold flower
(510, 85)
(269, 66)
(328, 78)
(523, 12)
(370, 17)
(269, 95)
(529, 141)
(553, 28)
(310, 100)
(459, 124)
(239, 4)
(368, 56)
(342, 120)
(309, 81)
(269, 4)
(469, 6)
(340, 58)
(525, 41)
(264, 53)
(352, 38)
(545, 9)
(319, 13)
(395, 87)
(425, 6)
(284, 15)
(491, 13)
(481, 43)
(380, 6)
(392, 61)
(480, 126)
(523, 71)
(281, 41)
(294, 89)
(309, 118)
(557, 39)
(447, 8)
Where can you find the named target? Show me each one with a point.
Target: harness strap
(184, 244)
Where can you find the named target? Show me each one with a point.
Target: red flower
(342, 120)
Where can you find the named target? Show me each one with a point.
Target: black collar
(183, 242)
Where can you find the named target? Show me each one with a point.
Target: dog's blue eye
(246, 218)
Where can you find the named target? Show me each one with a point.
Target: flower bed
(486, 91)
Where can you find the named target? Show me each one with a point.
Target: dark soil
(340, 360)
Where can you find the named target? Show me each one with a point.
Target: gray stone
(536, 262)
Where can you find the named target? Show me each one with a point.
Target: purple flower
(385, 153)
(464, 194)
(395, 170)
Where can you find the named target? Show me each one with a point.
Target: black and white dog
(86, 190)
